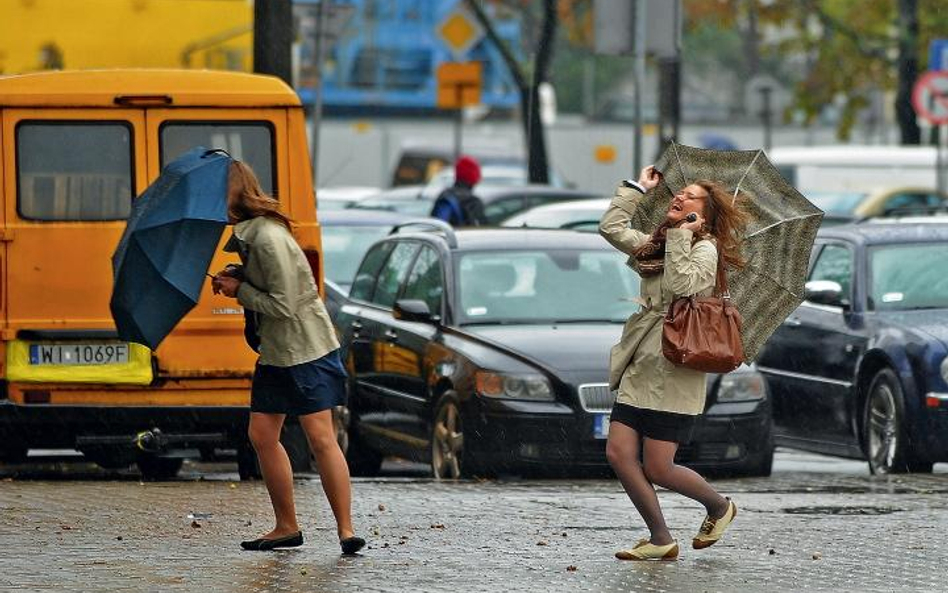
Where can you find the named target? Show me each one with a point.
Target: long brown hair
(251, 200)
(726, 221)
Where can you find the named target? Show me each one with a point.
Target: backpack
(464, 208)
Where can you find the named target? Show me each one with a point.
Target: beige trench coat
(292, 322)
(637, 368)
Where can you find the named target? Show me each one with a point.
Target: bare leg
(333, 469)
(661, 469)
(622, 451)
(264, 433)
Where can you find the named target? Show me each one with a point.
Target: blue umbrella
(160, 263)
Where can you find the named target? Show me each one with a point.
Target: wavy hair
(726, 221)
(251, 200)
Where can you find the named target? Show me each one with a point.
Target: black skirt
(655, 424)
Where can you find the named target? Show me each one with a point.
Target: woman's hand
(649, 177)
(225, 285)
(692, 226)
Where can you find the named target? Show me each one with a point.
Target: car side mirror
(825, 292)
(413, 310)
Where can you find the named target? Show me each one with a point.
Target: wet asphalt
(818, 524)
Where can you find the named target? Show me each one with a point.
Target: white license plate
(79, 354)
(601, 426)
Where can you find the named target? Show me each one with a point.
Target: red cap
(467, 170)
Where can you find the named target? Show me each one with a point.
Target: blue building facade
(385, 59)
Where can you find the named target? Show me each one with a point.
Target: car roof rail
(430, 224)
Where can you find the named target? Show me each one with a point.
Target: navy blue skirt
(300, 389)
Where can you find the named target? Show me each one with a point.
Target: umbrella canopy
(778, 239)
(160, 263)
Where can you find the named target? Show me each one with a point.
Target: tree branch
(515, 70)
(857, 37)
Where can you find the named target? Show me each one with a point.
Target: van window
(74, 170)
(251, 142)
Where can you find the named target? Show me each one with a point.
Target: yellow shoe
(712, 529)
(645, 550)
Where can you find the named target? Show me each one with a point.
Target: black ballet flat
(351, 545)
(262, 544)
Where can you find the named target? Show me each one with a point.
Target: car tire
(154, 468)
(247, 466)
(885, 439)
(449, 460)
(760, 465)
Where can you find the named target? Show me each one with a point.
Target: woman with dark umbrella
(299, 371)
(657, 402)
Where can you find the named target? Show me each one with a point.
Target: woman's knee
(658, 470)
(620, 453)
(262, 436)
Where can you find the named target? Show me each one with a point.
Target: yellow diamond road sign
(460, 31)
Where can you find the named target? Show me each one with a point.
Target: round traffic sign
(930, 97)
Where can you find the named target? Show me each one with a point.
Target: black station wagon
(486, 351)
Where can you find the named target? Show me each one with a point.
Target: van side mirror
(825, 292)
(413, 310)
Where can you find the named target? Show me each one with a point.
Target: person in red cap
(457, 205)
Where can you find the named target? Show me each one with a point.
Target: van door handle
(391, 335)
(792, 322)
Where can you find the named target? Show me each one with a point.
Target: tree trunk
(272, 43)
(538, 164)
(908, 71)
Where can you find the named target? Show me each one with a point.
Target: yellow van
(75, 149)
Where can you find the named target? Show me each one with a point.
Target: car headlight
(743, 386)
(512, 386)
(944, 369)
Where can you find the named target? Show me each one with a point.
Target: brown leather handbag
(704, 333)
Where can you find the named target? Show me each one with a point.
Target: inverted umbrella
(778, 239)
(161, 260)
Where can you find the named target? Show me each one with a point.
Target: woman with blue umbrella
(299, 371)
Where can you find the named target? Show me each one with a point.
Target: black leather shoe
(262, 544)
(351, 545)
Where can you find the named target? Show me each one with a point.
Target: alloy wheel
(447, 443)
(883, 429)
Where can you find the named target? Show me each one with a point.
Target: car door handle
(391, 335)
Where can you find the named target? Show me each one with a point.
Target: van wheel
(13, 454)
(247, 466)
(154, 468)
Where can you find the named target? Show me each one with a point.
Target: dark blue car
(859, 369)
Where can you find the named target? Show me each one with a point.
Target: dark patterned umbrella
(779, 237)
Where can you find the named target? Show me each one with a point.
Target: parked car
(486, 350)
(500, 202)
(434, 167)
(338, 198)
(889, 202)
(577, 214)
(346, 236)
(860, 369)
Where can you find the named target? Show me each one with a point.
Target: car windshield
(344, 246)
(906, 277)
(836, 202)
(564, 285)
